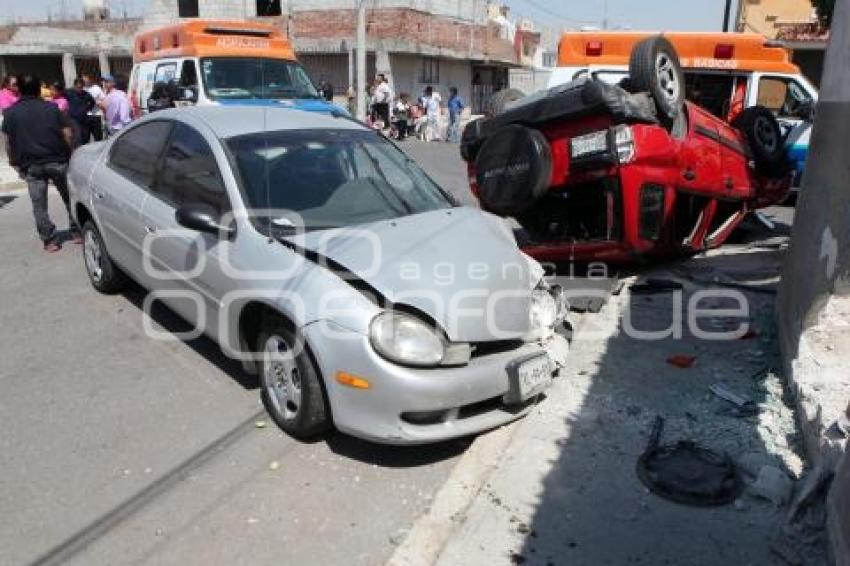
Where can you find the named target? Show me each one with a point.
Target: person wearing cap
(116, 105)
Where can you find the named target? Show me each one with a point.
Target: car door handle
(689, 175)
(150, 229)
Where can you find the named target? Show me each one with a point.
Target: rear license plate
(528, 377)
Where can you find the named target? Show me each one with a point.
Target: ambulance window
(783, 95)
(268, 8)
(165, 73)
(187, 8)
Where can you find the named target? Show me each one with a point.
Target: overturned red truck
(598, 172)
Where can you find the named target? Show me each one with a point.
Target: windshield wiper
(377, 166)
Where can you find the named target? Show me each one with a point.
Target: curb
(430, 533)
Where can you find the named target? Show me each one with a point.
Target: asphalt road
(117, 449)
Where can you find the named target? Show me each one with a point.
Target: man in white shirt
(432, 101)
(382, 100)
(96, 114)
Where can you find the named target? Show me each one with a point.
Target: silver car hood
(459, 266)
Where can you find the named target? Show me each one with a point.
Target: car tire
(104, 275)
(499, 101)
(290, 385)
(760, 127)
(654, 67)
(513, 170)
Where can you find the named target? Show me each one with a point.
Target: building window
(267, 8)
(430, 71)
(187, 8)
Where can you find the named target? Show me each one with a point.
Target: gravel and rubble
(566, 491)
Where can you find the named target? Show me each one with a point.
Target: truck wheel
(759, 126)
(513, 170)
(289, 383)
(654, 67)
(500, 100)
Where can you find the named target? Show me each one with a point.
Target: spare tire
(500, 100)
(760, 127)
(654, 67)
(513, 170)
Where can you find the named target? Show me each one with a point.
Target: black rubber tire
(499, 101)
(513, 170)
(764, 136)
(667, 85)
(112, 279)
(313, 415)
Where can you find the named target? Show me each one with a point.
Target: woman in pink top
(9, 93)
(57, 92)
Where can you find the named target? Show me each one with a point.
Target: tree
(824, 9)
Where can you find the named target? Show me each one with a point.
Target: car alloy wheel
(282, 378)
(668, 78)
(93, 255)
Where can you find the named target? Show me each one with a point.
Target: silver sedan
(320, 256)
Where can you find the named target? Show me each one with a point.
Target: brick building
(795, 23)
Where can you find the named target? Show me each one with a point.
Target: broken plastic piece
(682, 361)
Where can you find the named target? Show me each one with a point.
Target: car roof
(231, 121)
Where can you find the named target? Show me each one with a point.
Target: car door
(185, 265)
(700, 162)
(121, 188)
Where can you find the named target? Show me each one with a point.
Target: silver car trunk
(459, 266)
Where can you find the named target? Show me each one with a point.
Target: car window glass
(190, 173)
(782, 95)
(165, 72)
(137, 150)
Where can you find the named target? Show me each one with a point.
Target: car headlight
(624, 140)
(544, 310)
(406, 340)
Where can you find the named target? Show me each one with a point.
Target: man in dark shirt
(80, 103)
(40, 139)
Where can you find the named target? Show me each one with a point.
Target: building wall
(406, 70)
(765, 16)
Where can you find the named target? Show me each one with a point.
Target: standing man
(95, 114)
(116, 106)
(432, 101)
(382, 100)
(80, 105)
(40, 139)
(456, 106)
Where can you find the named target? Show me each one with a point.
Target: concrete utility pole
(361, 60)
(726, 14)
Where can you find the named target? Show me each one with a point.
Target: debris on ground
(654, 285)
(772, 484)
(801, 541)
(260, 424)
(687, 473)
(682, 361)
(274, 465)
(744, 407)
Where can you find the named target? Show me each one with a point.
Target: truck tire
(654, 67)
(499, 101)
(759, 126)
(513, 170)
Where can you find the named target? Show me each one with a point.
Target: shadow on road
(593, 509)
(5, 200)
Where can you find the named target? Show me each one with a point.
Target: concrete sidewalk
(564, 489)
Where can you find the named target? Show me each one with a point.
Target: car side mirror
(203, 218)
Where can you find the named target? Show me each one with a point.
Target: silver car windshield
(322, 179)
(253, 77)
